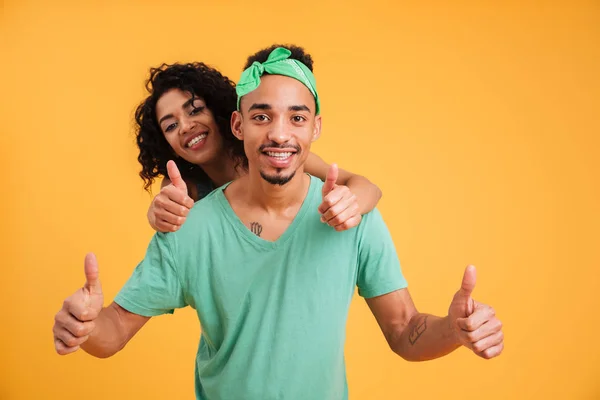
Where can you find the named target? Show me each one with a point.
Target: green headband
(278, 63)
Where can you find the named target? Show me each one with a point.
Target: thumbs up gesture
(339, 208)
(171, 206)
(75, 321)
(475, 324)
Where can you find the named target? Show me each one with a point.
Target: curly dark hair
(298, 53)
(201, 80)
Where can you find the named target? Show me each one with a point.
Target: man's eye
(260, 118)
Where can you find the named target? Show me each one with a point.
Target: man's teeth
(278, 154)
(196, 140)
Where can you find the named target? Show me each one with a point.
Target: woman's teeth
(196, 140)
(278, 154)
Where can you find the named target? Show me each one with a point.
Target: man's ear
(317, 129)
(236, 125)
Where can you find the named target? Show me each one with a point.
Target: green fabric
(278, 63)
(273, 314)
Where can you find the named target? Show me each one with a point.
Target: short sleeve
(379, 269)
(154, 288)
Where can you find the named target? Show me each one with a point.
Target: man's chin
(277, 179)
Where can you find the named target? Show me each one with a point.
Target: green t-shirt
(273, 314)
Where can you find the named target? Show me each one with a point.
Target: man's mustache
(274, 145)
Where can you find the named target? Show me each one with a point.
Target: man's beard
(277, 179)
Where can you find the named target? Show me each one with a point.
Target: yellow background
(479, 121)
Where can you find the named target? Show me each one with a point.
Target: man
(270, 282)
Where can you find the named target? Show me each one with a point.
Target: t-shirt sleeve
(155, 287)
(379, 269)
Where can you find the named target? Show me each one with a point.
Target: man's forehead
(281, 90)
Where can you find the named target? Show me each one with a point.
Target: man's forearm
(108, 336)
(367, 193)
(424, 338)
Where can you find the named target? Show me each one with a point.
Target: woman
(186, 118)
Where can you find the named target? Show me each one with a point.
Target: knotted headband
(278, 63)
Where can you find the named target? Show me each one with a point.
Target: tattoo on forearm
(417, 330)
(256, 228)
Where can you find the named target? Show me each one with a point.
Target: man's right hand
(75, 321)
(171, 206)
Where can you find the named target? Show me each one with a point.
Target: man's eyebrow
(299, 108)
(260, 106)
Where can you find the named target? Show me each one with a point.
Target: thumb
(92, 275)
(331, 179)
(468, 282)
(175, 176)
(466, 288)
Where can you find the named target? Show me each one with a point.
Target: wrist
(451, 330)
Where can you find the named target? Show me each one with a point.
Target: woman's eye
(196, 110)
(170, 127)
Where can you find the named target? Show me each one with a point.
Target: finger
(493, 351)
(62, 349)
(178, 196)
(468, 281)
(162, 215)
(73, 325)
(334, 197)
(488, 342)
(330, 179)
(175, 176)
(163, 226)
(68, 339)
(341, 217)
(350, 223)
(80, 310)
(489, 328)
(92, 275)
(480, 316)
(346, 203)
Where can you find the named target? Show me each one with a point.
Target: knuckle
(71, 342)
(79, 330)
(470, 337)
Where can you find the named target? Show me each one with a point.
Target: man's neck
(275, 199)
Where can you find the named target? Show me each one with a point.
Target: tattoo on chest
(417, 330)
(256, 228)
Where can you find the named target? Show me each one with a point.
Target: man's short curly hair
(298, 53)
(201, 80)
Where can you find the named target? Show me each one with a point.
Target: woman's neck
(221, 170)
